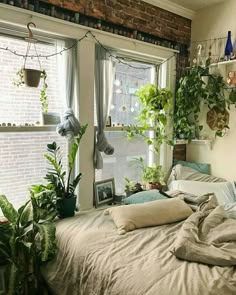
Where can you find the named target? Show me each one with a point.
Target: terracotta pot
(154, 186)
(31, 77)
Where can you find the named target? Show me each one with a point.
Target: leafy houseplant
(31, 78)
(132, 187)
(153, 175)
(27, 241)
(192, 90)
(56, 176)
(156, 108)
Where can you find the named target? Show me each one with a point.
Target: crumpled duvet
(207, 236)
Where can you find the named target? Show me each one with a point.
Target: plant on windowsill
(132, 187)
(27, 241)
(155, 111)
(64, 187)
(31, 78)
(153, 176)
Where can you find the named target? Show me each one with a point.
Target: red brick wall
(133, 14)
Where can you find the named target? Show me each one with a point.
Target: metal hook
(28, 27)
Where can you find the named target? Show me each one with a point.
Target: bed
(93, 259)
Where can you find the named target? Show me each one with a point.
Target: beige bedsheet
(94, 260)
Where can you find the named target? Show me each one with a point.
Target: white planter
(50, 118)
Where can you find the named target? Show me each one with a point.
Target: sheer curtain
(104, 78)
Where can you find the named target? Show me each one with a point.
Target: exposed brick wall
(135, 15)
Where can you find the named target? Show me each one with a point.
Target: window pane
(22, 104)
(22, 162)
(125, 105)
(21, 153)
(124, 110)
(122, 163)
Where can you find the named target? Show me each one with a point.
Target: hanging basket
(217, 120)
(32, 77)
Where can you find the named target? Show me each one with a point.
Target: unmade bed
(93, 259)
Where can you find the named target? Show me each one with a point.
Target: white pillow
(225, 192)
(180, 172)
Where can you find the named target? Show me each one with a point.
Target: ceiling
(186, 8)
(196, 4)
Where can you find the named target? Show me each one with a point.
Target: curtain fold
(70, 126)
(104, 78)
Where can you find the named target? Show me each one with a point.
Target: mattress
(93, 259)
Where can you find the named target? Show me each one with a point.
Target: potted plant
(156, 109)
(153, 176)
(132, 187)
(28, 77)
(191, 92)
(64, 187)
(27, 240)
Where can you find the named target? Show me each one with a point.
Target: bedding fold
(207, 236)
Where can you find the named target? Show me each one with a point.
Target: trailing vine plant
(191, 91)
(156, 108)
(19, 81)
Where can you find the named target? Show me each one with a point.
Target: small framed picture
(108, 122)
(104, 191)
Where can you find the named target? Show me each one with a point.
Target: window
(124, 110)
(21, 153)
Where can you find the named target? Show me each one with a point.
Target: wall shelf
(207, 142)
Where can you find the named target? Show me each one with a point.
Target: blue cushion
(202, 168)
(143, 197)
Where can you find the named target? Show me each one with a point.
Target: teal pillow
(202, 168)
(143, 197)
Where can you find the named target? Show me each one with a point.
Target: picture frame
(108, 122)
(104, 191)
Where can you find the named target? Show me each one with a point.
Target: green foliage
(156, 108)
(56, 176)
(132, 186)
(191, 91)
(151, 174)
(27, 241)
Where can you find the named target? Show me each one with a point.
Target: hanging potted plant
(156, 109)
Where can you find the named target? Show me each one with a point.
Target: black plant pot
(66, 207)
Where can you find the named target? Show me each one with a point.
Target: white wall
(212, 23)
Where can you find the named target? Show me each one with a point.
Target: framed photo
(104, 191)
(108, 122)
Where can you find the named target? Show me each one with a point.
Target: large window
(21, 153)
(124, 110)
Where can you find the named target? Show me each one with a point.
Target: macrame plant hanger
(31, 76)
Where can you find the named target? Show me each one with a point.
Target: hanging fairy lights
(86, 35)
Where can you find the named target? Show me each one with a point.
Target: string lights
(88, 33)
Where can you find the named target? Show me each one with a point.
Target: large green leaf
(47, 232)
(8, 210)
(26, 214)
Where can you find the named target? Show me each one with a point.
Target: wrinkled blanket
(207, 236)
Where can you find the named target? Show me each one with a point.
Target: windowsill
(27, 128)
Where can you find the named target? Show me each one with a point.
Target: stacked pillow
(143, 197)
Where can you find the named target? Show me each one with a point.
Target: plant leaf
(8, 210)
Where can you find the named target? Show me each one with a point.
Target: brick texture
(133, 14)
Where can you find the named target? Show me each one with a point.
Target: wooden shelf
(207, 142)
